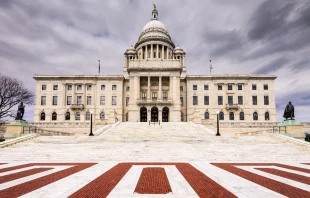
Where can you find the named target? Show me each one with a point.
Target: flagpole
(99, 67)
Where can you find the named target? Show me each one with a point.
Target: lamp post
(218, 127)
(91, 124)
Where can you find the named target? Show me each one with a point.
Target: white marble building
(154, 87)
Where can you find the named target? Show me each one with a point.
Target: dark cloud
(272, 66)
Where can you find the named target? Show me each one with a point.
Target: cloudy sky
(240, 36)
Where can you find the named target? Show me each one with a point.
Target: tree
(12, 92)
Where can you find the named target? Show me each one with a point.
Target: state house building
(154, 86)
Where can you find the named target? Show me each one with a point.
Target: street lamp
(91, 124)
(218, 127)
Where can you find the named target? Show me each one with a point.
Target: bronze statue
(154, 6)
(20, 112)
(289, 111)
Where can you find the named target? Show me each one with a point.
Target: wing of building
(154, 87)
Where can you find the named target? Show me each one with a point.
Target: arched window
(102, 115)
(77, 116)
(126, 117)
(207, 115)
(158, 54)
(87, 115)
(255, 116)
(221, 116)
(231, 116)
(54, 116)
(67, 117)
(267, 116)
(241, 116)
(42, 116)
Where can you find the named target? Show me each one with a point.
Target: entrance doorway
(143, 114)
(154, 114)
(165, 114)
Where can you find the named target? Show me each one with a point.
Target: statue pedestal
(293, 128)
(15, 128)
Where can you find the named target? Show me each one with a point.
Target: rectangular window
(230, 100)
(79, 87)
(54, 100)
(154, 95)
(239, 87)
(143, 95)
(102, 87)
(77, 116)
(254, 99)
(240, 100)
(195, 100)
(266, 100)
(154, 54)
(87, 116)
(102, 100)
(113, 100)
(206, 100)
(181, 88)
(230, 87)
(219, 87)
(114, 87)
(43, 100)
(165, 95)
(89, 87)
(220, 100)
(265, 86)
(194, 87)
(43, 87)
(79, 100)
(206, 87)
(127, 101)
(69, 87)
(253, 86)
(88, 100)
(182, 101)
(158, 54)
(55, 87)
(69, 100)
(127, 89)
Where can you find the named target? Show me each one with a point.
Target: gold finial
(154, 6)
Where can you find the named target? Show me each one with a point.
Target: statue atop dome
(154, 6)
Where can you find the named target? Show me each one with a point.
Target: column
(64, 91)
(167, 51)
(149, 88)
(170, 88)
(73, 94)
(84, 95)
(145, 51)
(162, 52)
(157, 51)
(183, 60)
(152, 51)
(139, 89)
(160, 89)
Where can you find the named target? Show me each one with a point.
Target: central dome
(154, 24)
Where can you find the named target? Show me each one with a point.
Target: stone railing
(154, 102)
(240, 124)
(155, 64)
(77, 106)
(232, 106)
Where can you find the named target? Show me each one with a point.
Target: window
(255, 116)
(67, 117)
(42, 116)
(182, 117)
(254, 100)
(230, 87)
(182, 101)
(102, 116)
(240, 100)
(79, 87)
(266, 100)
(55, 87)
(149, 54)
(69, 87)
(231, 116)
(43, 100)
(206, 115)
(89, 87)
(127, 89)
(267, 116)
(265, 86)
(54, 116)
(88, 100)
(165, 95)
(158, 54)
(154, 95)
(230, 100)
(54, 100)
(195, 100)
(221, 116)
(126, 117)
(194, 87)
(220, 100)
(154, 54)
(206, 87)
(113, 100)
(114, 87)
(219, 87)
(181, 88)
(87, 115)
(253, 86)
(77, 116)
(79, 100)
(241, 116)
(102, 87)
(144, 95)
(206, 100)
(127, 101)
(69, 100)
(239, 87)
(43, 87)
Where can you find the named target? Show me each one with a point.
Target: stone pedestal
(15, 128)
(293, 128)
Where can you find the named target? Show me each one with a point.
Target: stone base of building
(293, 128)
(15, 129)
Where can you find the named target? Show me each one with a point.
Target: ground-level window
(54, 116)
(77, 116)
(255, 116)
(182, 117)
(241, 116)
(206, 115)
(221, 116)
(267, 116)
(67, 116)
(102, 100)
(126, 117)
(102, 115)
(231, 116)
(42, 116)
(195, 100)
(87, 115)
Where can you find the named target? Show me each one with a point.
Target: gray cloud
(273, 66)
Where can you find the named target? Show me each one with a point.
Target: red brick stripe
(153, 181)
(271, 184)
(22, 174)
(105, 183)
(292, 176)
(24, 188)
